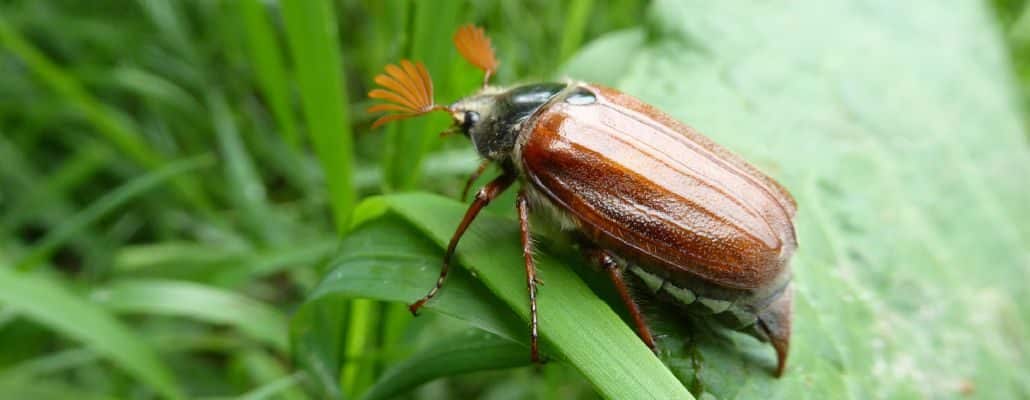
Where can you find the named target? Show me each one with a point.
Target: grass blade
(408, 142)
(311, 30)
(49, 304)
(241, 176)
(200, 302)
(269, 67)
(107, 204)
(575, 27)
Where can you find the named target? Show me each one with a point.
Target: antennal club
(474, 46)
(407, 91)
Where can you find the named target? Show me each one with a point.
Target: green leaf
(201, 302)
(894, 125)
(464, 352)
(41, 300)
(392, 263)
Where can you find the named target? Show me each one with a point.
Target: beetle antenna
(474, 46)
(407, 91)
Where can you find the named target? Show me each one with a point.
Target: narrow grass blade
(312, 33)
(575, 26)
(269, 67)
(41, 300)
(107, 204)
(201, 302)
(241, 175)
(407, 144)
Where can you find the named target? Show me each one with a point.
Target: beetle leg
(472, 179)
(608, 263)
(522, 203)
(774, 322)
(485, 195)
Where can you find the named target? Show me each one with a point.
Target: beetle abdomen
(655, 191)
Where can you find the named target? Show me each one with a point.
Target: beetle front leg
(485, 195)
(608, 264)
(472, 178)
(522, 203)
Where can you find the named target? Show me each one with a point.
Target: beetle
(644, 193)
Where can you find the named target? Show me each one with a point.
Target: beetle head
(479, 117)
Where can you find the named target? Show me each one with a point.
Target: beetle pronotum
(641, 191)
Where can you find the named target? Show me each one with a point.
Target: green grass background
(176, 177)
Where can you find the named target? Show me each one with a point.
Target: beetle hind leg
(774, 322)
(608, 264)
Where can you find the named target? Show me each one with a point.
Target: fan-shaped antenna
(474, 46)
(407, 90)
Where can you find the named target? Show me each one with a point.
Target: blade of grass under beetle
(574, 323)
(205, 303)
(40, 299)
(468, 351)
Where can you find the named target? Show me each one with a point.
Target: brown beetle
(694, 222)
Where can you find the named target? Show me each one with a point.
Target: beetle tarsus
(485, 195)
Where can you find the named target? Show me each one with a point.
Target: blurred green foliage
(175, 177)
(174, 173)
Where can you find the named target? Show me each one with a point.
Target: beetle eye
(470, 119)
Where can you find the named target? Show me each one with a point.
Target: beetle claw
(414, 307)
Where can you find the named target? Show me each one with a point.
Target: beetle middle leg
(608, 264)
(485, 195)
(522, 203)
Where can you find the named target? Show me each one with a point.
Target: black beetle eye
(470, 119)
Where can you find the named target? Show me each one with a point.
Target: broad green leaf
(388, 260)
(895, 126)
(201, 302)
(575, 325)
(464, 352)
(41, 300)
